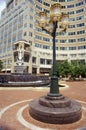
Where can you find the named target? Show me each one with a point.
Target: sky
(2, 5)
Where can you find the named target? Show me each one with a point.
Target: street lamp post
(51, 26)
(54, 108)
(54, 88)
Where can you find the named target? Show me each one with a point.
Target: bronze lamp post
(50, 25)
(54, 108)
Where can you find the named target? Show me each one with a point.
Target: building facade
(19, 24)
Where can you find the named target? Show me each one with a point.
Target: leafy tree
(74, 69)
(64, 68)
(82, 70)
(78, 69)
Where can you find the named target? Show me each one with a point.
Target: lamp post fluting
(50, 26)
(54, 88)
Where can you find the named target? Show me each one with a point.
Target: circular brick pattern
(8, 97)
(22, 119)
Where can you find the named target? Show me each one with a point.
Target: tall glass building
(19, 25)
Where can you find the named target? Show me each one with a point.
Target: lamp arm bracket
(43, 29)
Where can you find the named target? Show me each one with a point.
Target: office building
(19, 26)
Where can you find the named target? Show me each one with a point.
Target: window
(38, 7)
(79, 17)
(72, 12)
(62, 41)
(36, 21)
(71, 33)
(31, 25)
(26, 58)
(69, 0)
(61, 0)
(72, 40)
(38, 37)
(30, 34)
(33, 59)
(81, 39)
(0, 51)
(14, 39)
(46, 39)
(19, 36)
(42, 61)
(81, 32)
(63, 7)
(72, 48)
(46, 47)
(9, 40)
(48, 62)
(38, 45)
(56, 40)
(55, 0)
(56, 48)
(38, 29)
(63, 48)
(46, 4)
(37, 13)
(9, 48)
(81, 47)
(80, 3)
(79, 11)
(40, 1)
(71, 26)
(25, 33)
(47, 11)
(72, 19)
(70, 6)
(31, 17)
(73, 55)
(32, 1)
(80, 24)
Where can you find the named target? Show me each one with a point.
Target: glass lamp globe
(65, 20)
(42, 19)
(55, 12)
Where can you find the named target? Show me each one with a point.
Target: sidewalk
(14, 104)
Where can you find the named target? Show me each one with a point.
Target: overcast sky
(2, 5)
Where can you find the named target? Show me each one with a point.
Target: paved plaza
(14, 107)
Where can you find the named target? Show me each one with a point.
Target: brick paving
(13, 99)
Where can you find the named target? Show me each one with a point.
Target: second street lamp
(51, 26)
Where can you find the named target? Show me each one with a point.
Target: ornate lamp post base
(55, 110)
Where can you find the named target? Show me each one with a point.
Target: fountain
(21, 75)
(23, 80)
